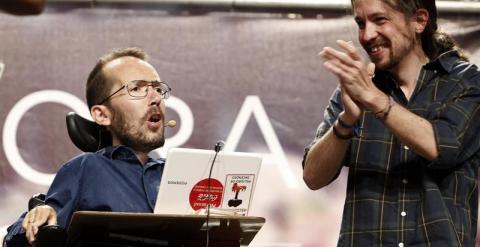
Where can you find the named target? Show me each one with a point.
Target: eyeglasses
(139, 89)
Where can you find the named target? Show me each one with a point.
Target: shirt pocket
(372, 149)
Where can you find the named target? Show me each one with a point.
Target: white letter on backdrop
(253, 105)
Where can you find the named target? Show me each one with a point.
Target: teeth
(375, 49)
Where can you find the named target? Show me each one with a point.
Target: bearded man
(126, 96)
(407, 125)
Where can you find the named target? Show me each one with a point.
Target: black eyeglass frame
(164, 95)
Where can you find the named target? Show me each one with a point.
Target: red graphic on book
(200, 193)
(237, 188)
(235, 202)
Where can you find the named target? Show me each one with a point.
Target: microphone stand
(218, 146)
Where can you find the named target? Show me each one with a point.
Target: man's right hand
(353, 109)
(37, 217)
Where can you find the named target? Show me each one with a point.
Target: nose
(155, 98)
(369, 32)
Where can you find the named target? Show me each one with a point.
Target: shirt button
(405, 181)
(403, 214)
(406, 147)
(400, 244)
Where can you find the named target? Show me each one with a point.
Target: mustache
(376, 42)
(154, 110)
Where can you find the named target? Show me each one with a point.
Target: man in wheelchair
(126, 99)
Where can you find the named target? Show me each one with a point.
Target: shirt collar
(116, 152)
(127, 154)
(446, 61)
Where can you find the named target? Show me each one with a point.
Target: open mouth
(154, 121)
(376, 48)
(155, 118)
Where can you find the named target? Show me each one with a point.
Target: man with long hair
(407, 125)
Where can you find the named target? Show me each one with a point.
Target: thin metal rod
(451, 7)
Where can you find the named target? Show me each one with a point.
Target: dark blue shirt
(112, 179)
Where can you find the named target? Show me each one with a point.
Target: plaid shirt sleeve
(330, 115)
(456, 123)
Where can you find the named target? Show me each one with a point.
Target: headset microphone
(171, 124)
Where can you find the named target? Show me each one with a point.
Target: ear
(421, 20)
(101, 115)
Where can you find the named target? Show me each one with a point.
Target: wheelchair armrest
(51, 236)
(48, 235)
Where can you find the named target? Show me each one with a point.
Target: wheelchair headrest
(88, 136)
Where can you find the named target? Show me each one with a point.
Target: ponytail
(434, 42)
(438, 43)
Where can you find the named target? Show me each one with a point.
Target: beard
(134, 136)
(392, 62)
(396, 54)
